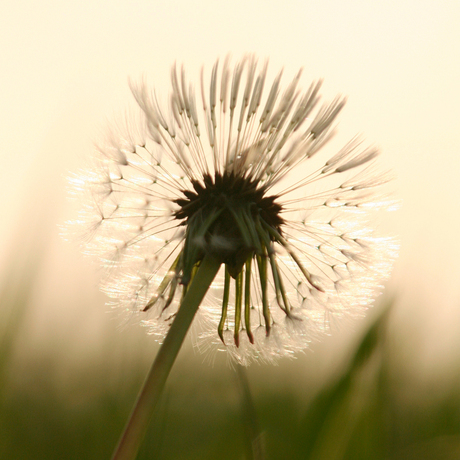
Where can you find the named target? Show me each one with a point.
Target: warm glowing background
(64, 72)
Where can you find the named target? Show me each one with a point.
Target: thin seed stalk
(262, 263)
(238, 306)
(247, 300)
(223, 318)
(149, 396)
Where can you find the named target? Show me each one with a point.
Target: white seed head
(308, 254)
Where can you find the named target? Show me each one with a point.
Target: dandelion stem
(149, 396)
(257, 448)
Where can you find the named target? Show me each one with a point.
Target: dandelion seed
(222, 178)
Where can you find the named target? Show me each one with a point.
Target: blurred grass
(361, 413)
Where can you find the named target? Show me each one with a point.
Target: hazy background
(64, 72)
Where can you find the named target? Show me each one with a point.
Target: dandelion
(225, 208)
(236, 173)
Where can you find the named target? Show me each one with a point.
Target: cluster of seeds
(238, 175)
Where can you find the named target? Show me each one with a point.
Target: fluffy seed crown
(208, 175)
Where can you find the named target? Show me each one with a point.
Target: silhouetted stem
(149, 396)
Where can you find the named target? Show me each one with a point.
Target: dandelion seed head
(218, 173)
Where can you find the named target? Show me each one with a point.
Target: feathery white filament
(330, 264)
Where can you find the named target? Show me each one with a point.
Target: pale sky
(65, 67)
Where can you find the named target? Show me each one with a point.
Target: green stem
(255, 437)
(149, 396)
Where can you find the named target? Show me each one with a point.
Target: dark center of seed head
(242, 210)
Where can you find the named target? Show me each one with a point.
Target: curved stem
(149, 396)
